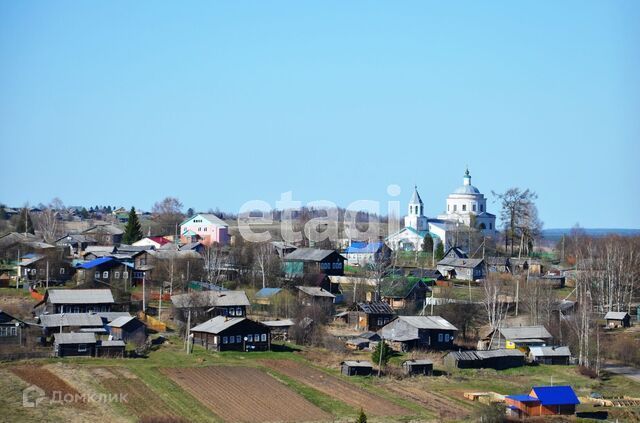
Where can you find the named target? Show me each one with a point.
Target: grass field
(304, 377)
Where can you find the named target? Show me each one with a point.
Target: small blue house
(361, 253)
(543, 401)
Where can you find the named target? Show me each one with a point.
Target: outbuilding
(618, 319)
(543, 401)
(429, 332)
(128, 329)
(493, 359)
(417, 367)
(550, 355)
(356, 368)
(110, 348)
(74, 344)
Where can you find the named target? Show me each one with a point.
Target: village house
(550, 355)
(304, 261)
(311, 295)
(76, 301)
(77, 243)
(417, 367)
(370, 316)
(232, 333)
(361, 253)
(13, 331)
(356, 368)
(71, 322)
(465, 269)
(93, 252)
(403, 293)
(128, 329)
(152, 242)
(618, 319)
(52, 267)
(416, 332)
(74, 344)
(521, 337)
(491, 359)
(105, 234)
(543, 401)
(105, 270)
(206, 304)
(206, 228)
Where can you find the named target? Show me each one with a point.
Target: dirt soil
(337, 388)
(243, 394)
(442, 406)
(45, 380)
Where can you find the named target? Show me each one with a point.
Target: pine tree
(133, 230)
(385, 350)
(362, 418)
(427, 243)
(24, 222)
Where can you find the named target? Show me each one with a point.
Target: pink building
(206, 228)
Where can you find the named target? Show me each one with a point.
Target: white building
(416, 227)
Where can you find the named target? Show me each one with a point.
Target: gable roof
(70, 319)
(79, 296)
(219, 324)
(209, 217)
(121, 321)
(75, 338)
(407, 328)
(210, 299)
(616, 315)
(376, 307)
(309, 254)
(525, 332)
(106, 229)
(428, 322)
(555, 395)
(364, 247)
(96, 262)
(315, 291)
(550, 351)
(399, 288)
(267, 292)
(461, 262)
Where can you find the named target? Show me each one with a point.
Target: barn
(112, 349)
(493, 359)
(618, 319)
(550, 355)
(417, 367)
(128, 329)
(356, 368)
(370, 316)
(74, 344)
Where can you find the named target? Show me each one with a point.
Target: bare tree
(494, 302)
(48, 220)
(263, 256)
(168, 214)
(214, 260)
(518, 212)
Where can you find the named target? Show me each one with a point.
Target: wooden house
(426, 332)
(417, 367)
(618, 319)
(311, 295)
(71, 322)
(128, 329)
(110, 348)
(370, 316)
(74, 344)
(77, 243)
(105, 234)
(106, 270)
(232, 333)
(304, 261)
(550, 355)
(522, 337)
(76, 301)
(13, 331)
(207, 304)
(543, 401)
(356, 368)
(404, 293)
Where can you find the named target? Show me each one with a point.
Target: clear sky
(218, 103)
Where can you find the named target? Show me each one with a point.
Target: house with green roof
(406, 293)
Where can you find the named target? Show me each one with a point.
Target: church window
(464, 207)
(490, 225)
(474, 207)
(448, 207)
(455, 207)
(481, 207)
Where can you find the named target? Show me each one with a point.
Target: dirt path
(337, 388)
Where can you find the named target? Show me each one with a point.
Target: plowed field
(45, 380)
(337, 388)
(243, 394)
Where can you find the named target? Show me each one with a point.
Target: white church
(465, 206)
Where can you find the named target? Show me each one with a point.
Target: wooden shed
(417, 367)
(74, 344)
(356, 368)
(128, 329)
(492, 359)
(550, 355)
(113, 349)
(618, 319)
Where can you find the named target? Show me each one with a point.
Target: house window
(62, 270)
(448, 207)
(490, 225)
(116, 275)
(225, 340)
(105, 275)
(42, 271)
(3, 331)
(464, 207)
(264, 337)
(231, 311)
(446, 337)
(238, 339)
(97, 275)
(125, 275)
(14, 331)
(238, 311)
(76, 309)
(82, 347)
(33, 271)
(440, 337)
(249, 338)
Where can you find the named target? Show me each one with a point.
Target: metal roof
(80, 296)
(217, 324)
(376, 307)
(555, 395)
(278, 323)
(96, 262)
(106, 229)
(407, 328)
(70, 319)
(616, 315)
(315, 291)
(210, 217)
(499, 353)
(357, 363)
(74, 338)
(418, 362)
(267, 292)
(309, 254)
(525, 332)
(364, 247)
(110, 316)
(121, 321)
(522, 398)
(550, 351)
(112, 343)
(428, 322)
(210, 299)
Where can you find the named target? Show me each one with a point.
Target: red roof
(159, 239)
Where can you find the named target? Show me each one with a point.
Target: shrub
(587, 371)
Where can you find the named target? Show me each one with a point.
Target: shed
(618, 319)
(357, 343)
(356, 368)
(550, 355)
(128, 328)
(74, 344)
(111, 348)
(370, 316)
(418, 367)
(493, 359)
(543, 401)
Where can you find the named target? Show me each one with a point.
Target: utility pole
(47, 274)
(517, 293)
(18, 270)
(382, 345)
(186, 337)
(144, 294)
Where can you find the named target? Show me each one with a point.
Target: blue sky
(219, 103)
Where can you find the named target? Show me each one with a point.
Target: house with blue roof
(543, 401)
(362, 253)
(266, 295)
(105, 270)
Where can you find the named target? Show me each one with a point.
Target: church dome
(467, 189)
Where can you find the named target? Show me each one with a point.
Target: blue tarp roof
(267, 292)
(522, 398)
(94, 263)
(364, 247)
(556, 395)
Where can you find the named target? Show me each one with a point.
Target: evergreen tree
(190, 212)
(362, 418)
(427, 243)
(439, 251)
(133, 229)
(24, 222)
(385, 350)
